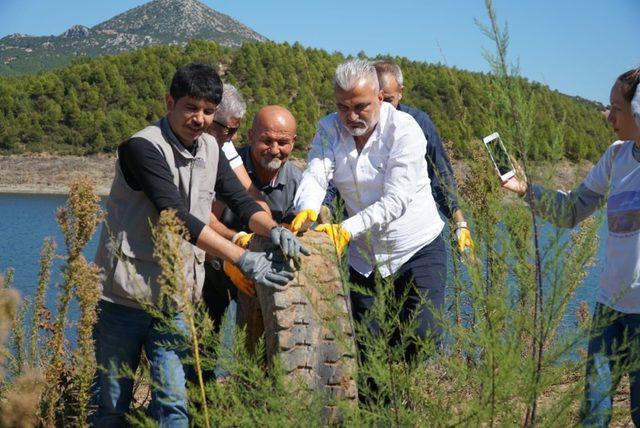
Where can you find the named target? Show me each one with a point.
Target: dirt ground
(52, 174)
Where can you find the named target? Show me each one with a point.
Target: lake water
(26, 220)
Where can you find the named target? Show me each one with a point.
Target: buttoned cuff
(354, 225)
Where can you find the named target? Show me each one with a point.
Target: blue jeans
(120, 334)
(420, 281)
(614, 349)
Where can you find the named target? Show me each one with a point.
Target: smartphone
(499, 156)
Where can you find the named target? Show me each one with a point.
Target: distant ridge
(157, 22)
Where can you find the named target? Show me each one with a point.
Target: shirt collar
(175, 141)
(280, 178)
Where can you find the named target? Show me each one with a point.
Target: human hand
(516, 185)
(463, 237)
(238, 279)
(267, 269)
(303, 220)
(288, 243)
(339, 235)
(242, 239)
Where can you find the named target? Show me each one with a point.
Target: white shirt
(231, 154)
(617, 174)
(386, 189)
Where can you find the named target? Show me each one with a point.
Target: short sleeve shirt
(231, 154)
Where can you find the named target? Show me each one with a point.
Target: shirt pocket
(378, 163)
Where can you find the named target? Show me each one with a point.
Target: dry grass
(19, 407)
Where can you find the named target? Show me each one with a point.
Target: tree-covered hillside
(93, 104)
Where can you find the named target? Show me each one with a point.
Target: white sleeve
(599, 177)
(635, 106)
(404, 167)
(232, 155)
(319, 171)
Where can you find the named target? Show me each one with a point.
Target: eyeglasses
(227, 131)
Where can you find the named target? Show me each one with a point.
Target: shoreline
(49, 191)
(46, 174)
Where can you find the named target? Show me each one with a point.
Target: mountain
(173, 22)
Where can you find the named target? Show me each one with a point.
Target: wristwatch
(461, 225)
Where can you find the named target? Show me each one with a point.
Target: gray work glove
(288, 243)
(267, 269)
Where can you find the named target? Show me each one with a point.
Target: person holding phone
(614, 342)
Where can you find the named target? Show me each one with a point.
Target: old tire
(308, 326)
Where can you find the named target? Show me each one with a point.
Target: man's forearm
(261, 223)
(457, 216)
(220, 228)
(244, 178)
(217, 245)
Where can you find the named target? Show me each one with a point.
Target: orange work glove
(303, 220)
(239, 280)
(339, 235)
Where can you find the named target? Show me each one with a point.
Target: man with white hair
(224, 128)
(375, 156)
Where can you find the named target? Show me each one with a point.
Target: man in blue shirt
(443, 183)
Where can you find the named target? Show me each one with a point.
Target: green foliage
(92, 105)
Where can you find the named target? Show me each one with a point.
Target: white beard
(357, 132)
(273, 165)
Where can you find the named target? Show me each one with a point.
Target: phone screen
(500, 156)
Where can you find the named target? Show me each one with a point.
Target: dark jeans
(120, 334)
(614, 348)
(420, 282)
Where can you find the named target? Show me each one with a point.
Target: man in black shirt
(170, 164)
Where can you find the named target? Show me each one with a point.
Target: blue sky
(577, 47)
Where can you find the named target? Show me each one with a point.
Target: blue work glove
(267, 269)
(288, 243)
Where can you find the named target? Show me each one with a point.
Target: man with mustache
(443, 183)
(271, 140)
(170, 164)
(375, 156)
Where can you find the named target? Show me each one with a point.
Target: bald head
(272, 136)
(274, 117)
